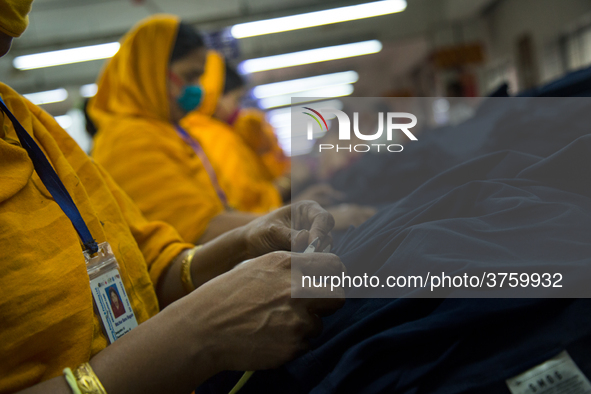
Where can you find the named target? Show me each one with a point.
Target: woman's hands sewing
(251, 317)
(292, 227)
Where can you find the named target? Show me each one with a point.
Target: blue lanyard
(206, 163)
(52, 181)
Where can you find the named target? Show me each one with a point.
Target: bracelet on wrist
(186, 278)
(83, 380)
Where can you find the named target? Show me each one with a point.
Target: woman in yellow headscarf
(143, 92)
(245, 154)
(56, 202)
(242, 173)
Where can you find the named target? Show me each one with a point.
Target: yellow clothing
(14, 16)
(212, 82)
(247, 184)
(46, 305)
(254, 130)
(137, 144)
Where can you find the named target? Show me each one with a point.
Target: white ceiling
(57, 24)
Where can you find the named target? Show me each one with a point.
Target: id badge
(111, 303)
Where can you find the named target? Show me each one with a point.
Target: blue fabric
(573, 84)
(501, 91)
(537, 126)
(531, 204)
(510, 208)
(52, 181)
(499, 124)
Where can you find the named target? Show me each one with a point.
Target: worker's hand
(250, 320)
(292, 227)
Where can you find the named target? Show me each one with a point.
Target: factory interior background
(427, 48)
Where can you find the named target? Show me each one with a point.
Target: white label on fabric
(113, 304)
(559, 375)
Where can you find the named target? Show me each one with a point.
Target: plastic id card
(111, 303)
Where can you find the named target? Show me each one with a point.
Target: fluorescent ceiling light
(330, 91)
(66, 56)
(88, 90)
(310, 56)
(49, 96)
(64, 121)
(318, 18)
(302, 84)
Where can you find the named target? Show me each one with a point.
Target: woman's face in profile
(229, 103)
(187, 70)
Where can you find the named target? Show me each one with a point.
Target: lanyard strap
(206, 163)
(52, 181)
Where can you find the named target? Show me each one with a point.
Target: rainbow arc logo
(315, 118)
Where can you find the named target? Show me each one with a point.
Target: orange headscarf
(137, 143)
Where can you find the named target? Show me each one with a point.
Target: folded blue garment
(507, 208)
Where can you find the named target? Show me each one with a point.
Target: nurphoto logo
(345, 130)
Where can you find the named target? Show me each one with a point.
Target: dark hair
(90, 126)
(187, 39)
(233, 79)
(113, 291)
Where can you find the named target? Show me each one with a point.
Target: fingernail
(312, 247)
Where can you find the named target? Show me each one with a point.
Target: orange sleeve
(259, 136)
(159, 242)
(241, 175)
(238, 169)
(47, 309)
(274, 160)
(166, 181)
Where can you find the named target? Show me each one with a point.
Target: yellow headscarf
(212, 82)
(14, 16)
(133, 83)
(137, 143)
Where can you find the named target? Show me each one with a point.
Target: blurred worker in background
(55, 203)
(254, 131)
(245, 154)
(199, 174)
(246, 182)
(143, 92)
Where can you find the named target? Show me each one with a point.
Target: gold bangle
(87, 381)
(186, 278)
